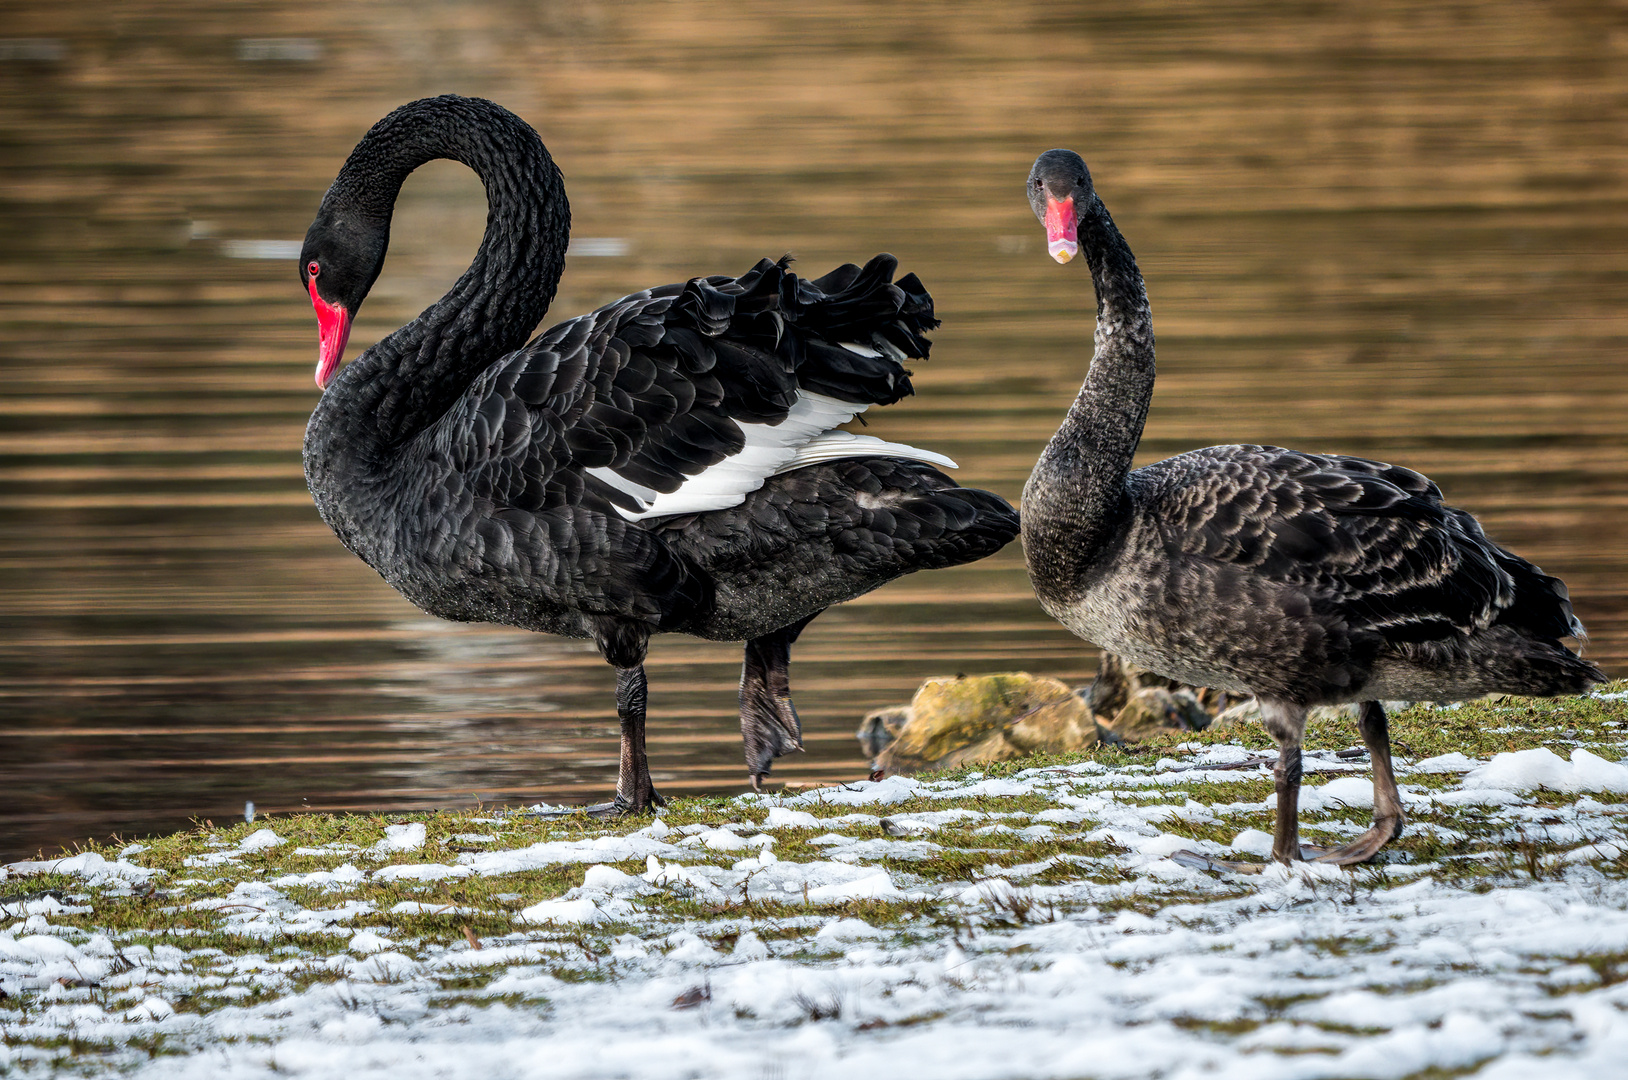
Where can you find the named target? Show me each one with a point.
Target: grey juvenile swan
(1303, 579)
(669, 462)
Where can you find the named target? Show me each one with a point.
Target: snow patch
(409, 837)
(1542, 768)
(421, 872)
(261, 840)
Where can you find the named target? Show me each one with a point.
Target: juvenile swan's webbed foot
(1285, 724)
(1388, 817)
(1365, 846)
(770, 726)
(1196, 861)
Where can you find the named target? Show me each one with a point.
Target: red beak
(1061, 240)
(333, 324)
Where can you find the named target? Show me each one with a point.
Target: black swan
(1303, 579)
(669, 462)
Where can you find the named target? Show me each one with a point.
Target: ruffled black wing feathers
(1371, 544)
(651, 386)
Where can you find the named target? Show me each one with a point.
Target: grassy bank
(124, 953)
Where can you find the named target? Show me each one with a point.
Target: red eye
(312, 268)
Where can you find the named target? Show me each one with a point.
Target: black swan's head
(1059, 192)
(342, 257)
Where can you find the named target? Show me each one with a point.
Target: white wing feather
(806, 436)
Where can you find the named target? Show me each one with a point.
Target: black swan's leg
(635, 794)
(1388, 817)
(624, 645)
(769, 723)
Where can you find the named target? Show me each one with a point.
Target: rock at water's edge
(981, 719)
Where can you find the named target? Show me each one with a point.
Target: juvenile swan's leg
(769, 723)
(1388, 817)
(1286, 723)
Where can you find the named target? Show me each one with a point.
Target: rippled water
(1388, 229)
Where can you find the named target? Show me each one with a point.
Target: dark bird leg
(1388, 817)
(624, 646)
(769, 723)
(1286, 723)
(635, 794)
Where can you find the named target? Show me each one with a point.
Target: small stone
(694, 996)
(986, 718)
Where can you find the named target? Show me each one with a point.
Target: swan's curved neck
(1073, 502)
(408, 380)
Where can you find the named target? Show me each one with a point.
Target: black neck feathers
(406, 381)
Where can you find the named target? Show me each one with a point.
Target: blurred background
(1384, 228)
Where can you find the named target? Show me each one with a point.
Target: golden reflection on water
(1387, 229)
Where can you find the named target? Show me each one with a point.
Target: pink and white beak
(1062, 242)
(333, 325)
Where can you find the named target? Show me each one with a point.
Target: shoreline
(1020, 919)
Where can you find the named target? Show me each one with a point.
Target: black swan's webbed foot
(555, 813)
(620, 807)
(770, 726)
(616, 808)
(649, 800)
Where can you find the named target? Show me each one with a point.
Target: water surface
(1374, 228)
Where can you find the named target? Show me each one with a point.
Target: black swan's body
(1303, 579)
(665, 463)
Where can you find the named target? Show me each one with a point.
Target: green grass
(1483, 851)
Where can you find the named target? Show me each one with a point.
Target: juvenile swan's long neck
(1073, 502)
(409, 379)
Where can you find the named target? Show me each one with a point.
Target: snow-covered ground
(698, 951)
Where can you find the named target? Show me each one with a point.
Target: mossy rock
(987, 718)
